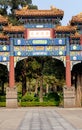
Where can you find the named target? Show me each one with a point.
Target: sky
(70, 7)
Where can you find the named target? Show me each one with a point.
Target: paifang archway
(41, 35)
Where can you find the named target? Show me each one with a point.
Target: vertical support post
(52, 33)
(68, 67)
(11, 91)
(81, 53)
(81, 39)
(25, 33)
(11, 67)
(78, 85)
(11, 72)
(81, 45)
(69, 92)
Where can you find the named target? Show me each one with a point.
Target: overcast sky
(70, 7)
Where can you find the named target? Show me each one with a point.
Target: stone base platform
(69, 97)
(11, 98)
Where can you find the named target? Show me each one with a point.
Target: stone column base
(11, 98)
(69, 97)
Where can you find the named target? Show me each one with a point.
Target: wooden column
(68, 67)
(81, 44)
(11, 91)
(69, 91)
(11, 72)
(25, 33)
(52, 33)
(81, 39)
(11, 67)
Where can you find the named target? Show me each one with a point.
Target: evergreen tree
(5, 5)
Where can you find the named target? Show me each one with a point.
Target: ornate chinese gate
(41, 38)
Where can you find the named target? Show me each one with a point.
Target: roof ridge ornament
(76, 35)
(80, 14)
(10, 24)
(25, 7)
(52, 7)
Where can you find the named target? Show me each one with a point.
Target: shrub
(30, 97)
(27, 97)
(2, 98)
(2, 104)
(33, 104)
(52, 97)
(19, 96)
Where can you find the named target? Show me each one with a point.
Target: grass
(33, 104)
(2, 104)
(29, 100)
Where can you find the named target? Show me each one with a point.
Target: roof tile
(77, 18)
(11, 28)
(3, 19)
(34, 12)
(65, 28)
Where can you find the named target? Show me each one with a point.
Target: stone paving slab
(44, 119)
(72, 115)
(41, 118)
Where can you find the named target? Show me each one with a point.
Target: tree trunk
(81, 88)
(47, 88)
(54, 88)
(23, 85)
(41, 89)
(36, 86)
(78, 91)
(2, 83)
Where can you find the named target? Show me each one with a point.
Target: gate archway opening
(40, 76)
(77, 82)
(77, 74)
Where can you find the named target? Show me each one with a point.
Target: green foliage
(54, 67)
(51, 69)
(29, 97)
(33, 7)
(53, 96)
(12, 19)
(3, 73)
(2, 104)
(51, 99)
(2, 98)
(33, 104)
(19, 96)
(12, 5)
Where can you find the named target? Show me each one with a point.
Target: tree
(7, 8)
(3, 77)
(45, 70)
(21, 73)
(3, 6)
(14, 4)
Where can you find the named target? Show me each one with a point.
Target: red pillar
(81, 40)
(11, 72)
(11, 65)
(68, 65)
(68, 72)
(52, 33)
(25, 33)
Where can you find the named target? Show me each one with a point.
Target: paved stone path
(44, 119)
(41, 119)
